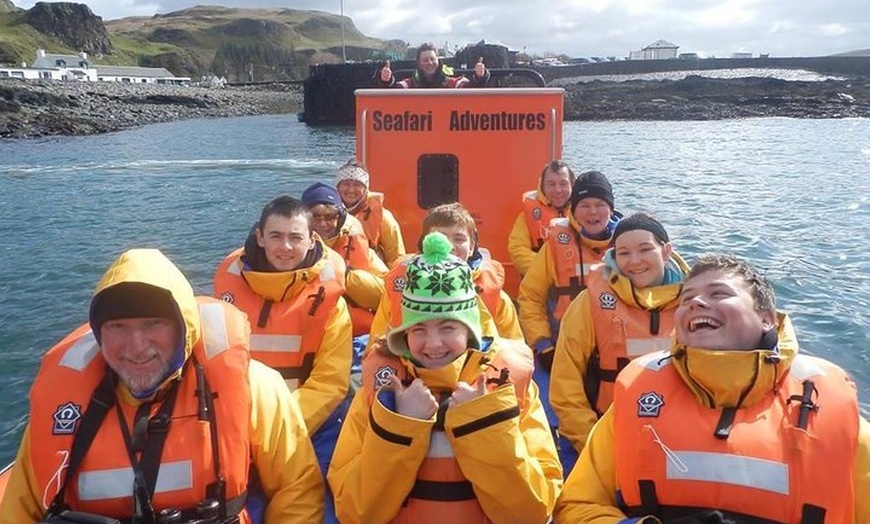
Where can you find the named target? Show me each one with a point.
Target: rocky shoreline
(702, 98)
(36, 109)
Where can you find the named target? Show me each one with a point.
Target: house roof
(139, 72)
(662, 44)
(51, 60)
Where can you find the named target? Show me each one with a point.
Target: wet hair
(287, 207)
(555, 166)
(762, 292)
(427, 46)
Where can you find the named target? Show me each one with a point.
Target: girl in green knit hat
(449, 426)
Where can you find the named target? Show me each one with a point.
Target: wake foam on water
(792, 75)
(161, 166)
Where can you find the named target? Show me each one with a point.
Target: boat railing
(496, 74)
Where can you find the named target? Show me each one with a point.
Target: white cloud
(582, 27)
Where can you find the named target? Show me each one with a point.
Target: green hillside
(240, 44)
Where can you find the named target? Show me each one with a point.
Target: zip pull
(673, 457)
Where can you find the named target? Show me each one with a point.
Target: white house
(68, 67)
(138, 75)
(79, 67)
(658, 50)
(53, 67)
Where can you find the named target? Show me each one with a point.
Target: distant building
(79, 67)
(658, 50)
(138, 75)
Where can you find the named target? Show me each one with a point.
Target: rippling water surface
(792, 195)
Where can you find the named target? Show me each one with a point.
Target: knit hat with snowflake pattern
(438, 285)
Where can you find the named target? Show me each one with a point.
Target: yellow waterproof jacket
(591, 489)
(327, 384)
(522, 246)
(280, 448)
(381, 227)
(578, 340)
(511, 462)
(365, 284)
(542, 276)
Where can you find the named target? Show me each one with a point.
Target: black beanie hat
(131, 300)
(643, 221)
(591, 184)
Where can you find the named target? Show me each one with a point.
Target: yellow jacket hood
(736, 378)
(284, 285)
(152, 268)
(649, 298)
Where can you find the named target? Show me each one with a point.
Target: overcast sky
(582, 27)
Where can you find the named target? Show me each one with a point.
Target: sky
(580, 27)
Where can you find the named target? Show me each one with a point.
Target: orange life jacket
(488, 282)
(287, 334)
(103, 484)
(538, 216)
(760, 464)
(622, 333)
(352, 245)
(370, 216)
(441, 492)
(574, 261)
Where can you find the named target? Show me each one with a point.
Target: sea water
(793, 196)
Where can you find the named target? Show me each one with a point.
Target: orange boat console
(481, 147)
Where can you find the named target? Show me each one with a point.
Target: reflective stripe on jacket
(771, 460)
(103, 483)
(285, 334)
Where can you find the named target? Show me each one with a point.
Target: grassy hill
(240, 44)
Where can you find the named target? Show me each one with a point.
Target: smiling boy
(731, 420)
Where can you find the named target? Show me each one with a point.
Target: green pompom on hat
(438, 285)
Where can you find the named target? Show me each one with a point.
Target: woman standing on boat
(431, 72)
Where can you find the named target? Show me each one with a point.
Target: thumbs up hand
(479, 68)
(415, 401)
(465, 391)
(386, 73)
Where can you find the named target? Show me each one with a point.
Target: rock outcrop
(34, 109)
(6, 6)
(75, 25)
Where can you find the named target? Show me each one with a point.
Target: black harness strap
(649, 501)
(574, 287)
(726, 422)
(101, 402)
(301, 372)
(595, 376)
(153, 436)
(655, 320)
(265, 311)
